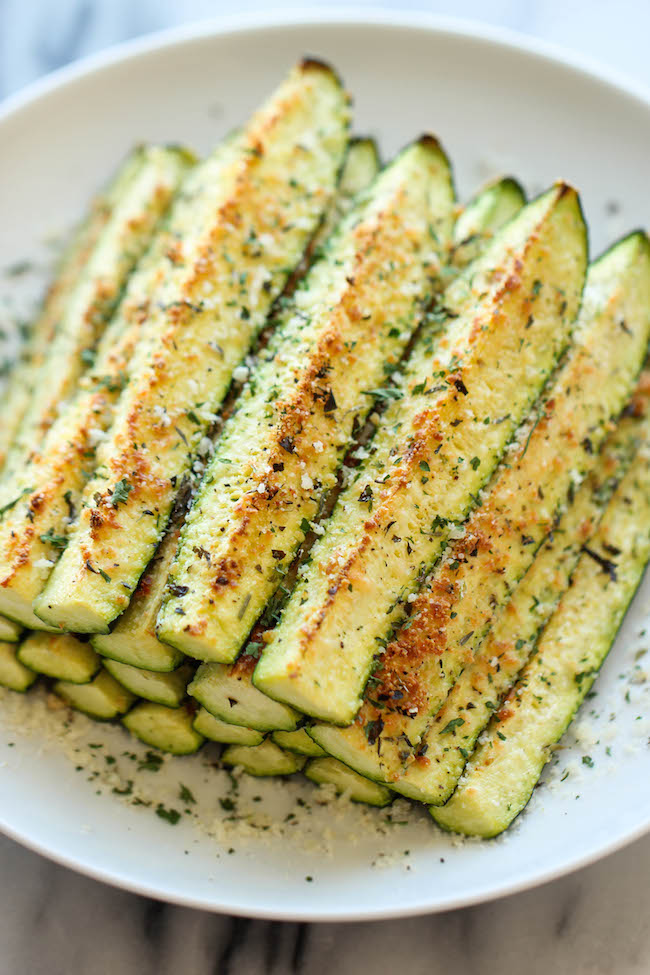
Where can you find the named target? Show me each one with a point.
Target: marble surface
(54, 922)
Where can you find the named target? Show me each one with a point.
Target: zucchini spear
(14, 674)
(20, 387)
(92, 301)
(133, 639)
(264, 210)
(216, 685)
(451, 737)
(500, 777)
(437, 448)
(464, 594)
(347, 325)
(47, 489)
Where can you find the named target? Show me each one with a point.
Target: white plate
(497, 104)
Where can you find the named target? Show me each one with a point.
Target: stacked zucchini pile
(303, 460)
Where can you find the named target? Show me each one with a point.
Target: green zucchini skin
(489, 366)
(59, 655)
(500, 777)
(47, 487)
(261, 215)
(168, 729)
(13, 674)
(462, 598)
(264, 760)
(103, 698)
(168, 689)
(328, 771)
(277, 457)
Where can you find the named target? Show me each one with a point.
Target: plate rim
(290, 17)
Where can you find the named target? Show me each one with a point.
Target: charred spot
(177, 590)
(366, 494)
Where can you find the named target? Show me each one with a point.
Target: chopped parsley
(121, 492)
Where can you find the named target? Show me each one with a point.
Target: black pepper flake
(177, 590)
(608, 567)
(373, 730)
(330, 403)
(288, 444)
(461, 387)
(277, 553)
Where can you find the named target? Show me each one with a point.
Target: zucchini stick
(216, 685)
(103, 698)
(266, 207)
(463, 596)
(436, 450)
(500, 777)
(451, 737)
(14, 674)
(169, 729)
(346, 327)
(92, 301)
(133, 639)
(20, 387)
(48, 488)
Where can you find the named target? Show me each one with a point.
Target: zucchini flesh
(460, 601)
(168, 729)
(229, 734)
(298, 741)
(489, 210)
(9, 630)
(48, 487)
(59, 655)
(167, 689)
(263, 211)
(93, 300)
(133, 639)
(16, 396)
(263, 760)
(436, 450)
(451, 737)
(503, 771)
(327, 771)
(349, 320)
(103, 698)
(228, 693)
(13, 674)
